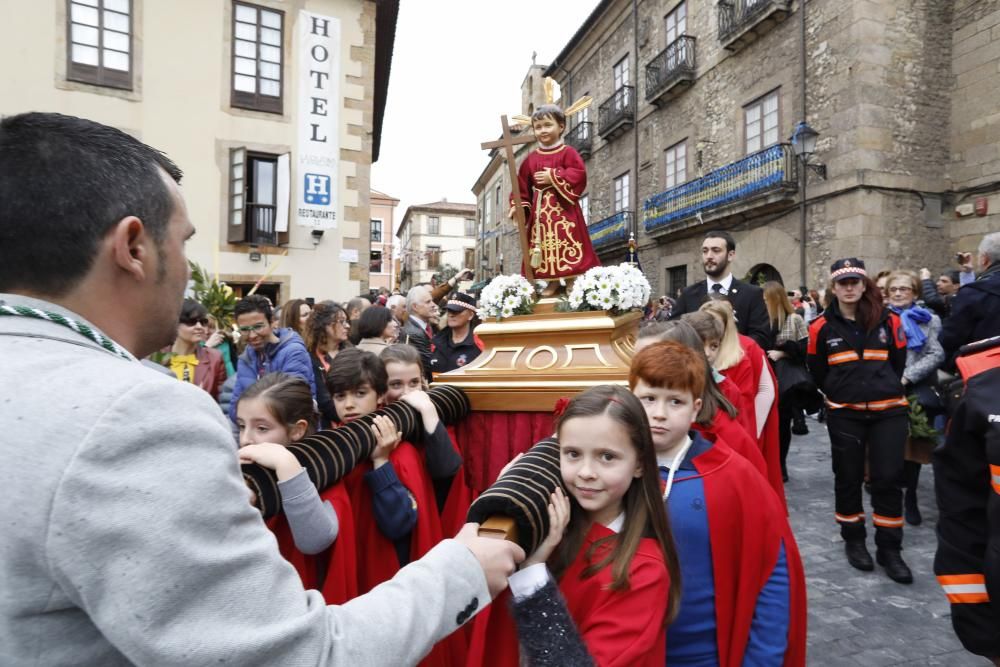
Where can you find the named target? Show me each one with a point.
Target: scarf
(912, 318)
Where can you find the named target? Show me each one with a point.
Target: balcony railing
(743, 21)
(611, 229)
(261, 223)
(581, 138)
(617, 113)
(674, 66)
(769, 170)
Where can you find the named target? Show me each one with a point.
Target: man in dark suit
(717, 251)
(417, 330)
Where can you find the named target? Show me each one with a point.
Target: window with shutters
(675, 164)
(621, 200)
(257, 58)
(99, 42)
(469, 255)
(253, 198)
(470, 227)
(433, 225)
(433, 255)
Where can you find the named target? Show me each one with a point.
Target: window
(676, 165)
(100, 42)
(676, 280)
(433, 225)
(376, 231)
(375, 263)
(497, 208)
(470, 227)
(585, 207)
(761, 122)
(433, 257)
(257, 49)
(487, 210)
(621, 194)
(583, 115)
(253, 201)
(470, 258)
(676, 23)
(620, 73)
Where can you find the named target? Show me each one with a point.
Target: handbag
(796, 385)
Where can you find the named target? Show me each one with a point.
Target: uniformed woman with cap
(856, 354)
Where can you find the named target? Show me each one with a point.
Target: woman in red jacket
(857, 354)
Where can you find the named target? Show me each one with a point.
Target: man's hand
(925, 274)
(965, 262)
(498, 558)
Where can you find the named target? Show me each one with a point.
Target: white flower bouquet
(617, 288)
(507, 296)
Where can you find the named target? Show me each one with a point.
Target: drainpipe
(802, 167)
(635, 127)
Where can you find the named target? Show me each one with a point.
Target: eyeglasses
(255, 329)
(902, 289)
(203, 321)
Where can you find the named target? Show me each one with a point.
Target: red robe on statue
(619, 627)
(555, 221)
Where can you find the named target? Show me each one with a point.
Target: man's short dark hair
(64, 183)
(953, 276)
(352, 368)
(255, 303)
(721, 234)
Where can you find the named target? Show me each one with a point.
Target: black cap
(459, 302)
(849, 267)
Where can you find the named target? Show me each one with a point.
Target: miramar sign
(318, 122)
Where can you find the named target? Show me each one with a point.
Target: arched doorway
(762, 273)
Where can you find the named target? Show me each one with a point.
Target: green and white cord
(79, 327)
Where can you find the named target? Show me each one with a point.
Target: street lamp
(803, 142)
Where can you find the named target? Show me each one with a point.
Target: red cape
(747, 525)
(726, 429)
(460, 495)
(746, 375)
(335, 571)
(619, 627)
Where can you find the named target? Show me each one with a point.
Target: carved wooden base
(530, 361)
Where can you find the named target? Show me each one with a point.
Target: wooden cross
(507, 142)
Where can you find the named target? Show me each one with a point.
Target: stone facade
(903, 93)
(433, 236)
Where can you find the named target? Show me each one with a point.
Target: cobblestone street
(864, 618)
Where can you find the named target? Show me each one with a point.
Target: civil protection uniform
(859, 373)
(967, 481)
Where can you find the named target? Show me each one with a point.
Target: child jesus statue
(552, 179)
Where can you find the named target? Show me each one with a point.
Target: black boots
(910, 509)
(799, 426)
(858, 556)
(894, 566)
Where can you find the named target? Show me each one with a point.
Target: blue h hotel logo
(317, 189)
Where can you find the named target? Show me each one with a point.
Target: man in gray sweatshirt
(127, 536)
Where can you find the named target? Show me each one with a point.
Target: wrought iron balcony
(743, 21)
(617, 113)
(612, 229)
(581, 138)
(261, 228)
(672, 71)
(758, 181)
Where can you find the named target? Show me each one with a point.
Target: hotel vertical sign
(316, 192)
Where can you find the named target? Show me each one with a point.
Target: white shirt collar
(726, 283)
(618, 523)
(666, 460)
(420, 322)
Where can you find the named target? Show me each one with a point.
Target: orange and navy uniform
(967, 480)
(860, 372)
(849, 365)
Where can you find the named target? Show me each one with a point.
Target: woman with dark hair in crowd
(789, 359)
(327, 331)
(924, 355)
(377, 329)
(857, 354)
(295, 315)
(188, 358)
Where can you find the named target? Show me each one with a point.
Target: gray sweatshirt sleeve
(152, 537)
(313, 522)
(923, 364)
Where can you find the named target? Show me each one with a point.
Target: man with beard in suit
(717, 252)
